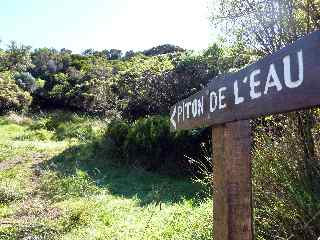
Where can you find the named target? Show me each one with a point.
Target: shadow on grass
(4, 122)
(129, 182)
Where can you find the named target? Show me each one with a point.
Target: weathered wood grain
(232, 181)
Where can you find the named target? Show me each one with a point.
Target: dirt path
(5, 165)
(33, 208)
(35, 157)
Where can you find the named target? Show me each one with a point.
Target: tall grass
(286, 205)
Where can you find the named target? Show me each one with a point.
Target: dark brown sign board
(285, 81)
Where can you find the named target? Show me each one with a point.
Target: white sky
(105, 24)
(148, 23)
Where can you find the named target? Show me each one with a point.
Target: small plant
(8, 195)
(203, 169)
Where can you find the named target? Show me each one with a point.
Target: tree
(163, 49)
(88, 52)
(16, 58)
(115, 54)
(50, 61)
(266, 26)
(26, 81)
(12, 97)
(129, 54)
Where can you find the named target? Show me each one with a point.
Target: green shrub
(149, 143)
(286, 204)
(81, 131)
(54, 119)
(116, 136)
(12, 97)
(68, 125)
(36, 135)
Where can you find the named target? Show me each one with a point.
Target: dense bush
(148, 143)
(62, 125)
(287, 201)
(26, 81)
(12, 97)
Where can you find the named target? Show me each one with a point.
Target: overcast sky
(105, 24)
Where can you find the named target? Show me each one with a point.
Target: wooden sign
(285, 81)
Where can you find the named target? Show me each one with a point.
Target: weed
(8, 195)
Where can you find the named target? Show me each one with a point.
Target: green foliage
(8, 195)
(16, 58)
(36, 135)
(12, 97)
(148, 143)
(57, 125)
(80, 131)
(163, 49)
(50, 61)
(104, 83)
(61, 125)
(147, 140)
(30, 231)
(266, 26)
(286, 204)
(12, 184)
(116, 136)
(26, 81)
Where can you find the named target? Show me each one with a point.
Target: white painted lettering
(194, 107)
(272, 75)
(237, 99)
(254, 84)
(200, 106)
(213, 101)
(221, 97)
(188, 104)
(183, 110)
(287, 71)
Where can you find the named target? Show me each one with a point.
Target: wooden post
(232, 181)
